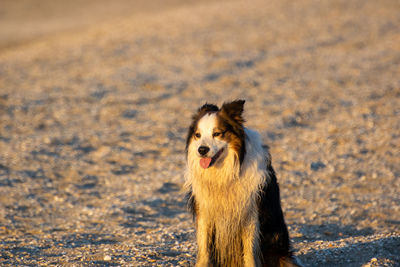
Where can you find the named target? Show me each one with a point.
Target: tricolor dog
(233, 192)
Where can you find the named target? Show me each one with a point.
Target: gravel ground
(93, 122)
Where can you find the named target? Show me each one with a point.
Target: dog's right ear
(203, 110)
(208, 108)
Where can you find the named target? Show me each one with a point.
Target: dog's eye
(216, 134)
(197, 135)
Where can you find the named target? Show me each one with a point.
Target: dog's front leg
(250, 241)
(203, 257)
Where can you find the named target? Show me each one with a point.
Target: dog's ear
(234, 110)
(208, 108)
(203, 110)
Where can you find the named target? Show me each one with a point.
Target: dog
(232, 192)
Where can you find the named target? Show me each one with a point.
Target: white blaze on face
(207, 127)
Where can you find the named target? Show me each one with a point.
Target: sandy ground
(93, 122)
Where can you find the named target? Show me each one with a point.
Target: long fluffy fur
(227, 203)
(236, 206)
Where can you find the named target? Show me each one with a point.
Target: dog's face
(214, 132)
(209, 141)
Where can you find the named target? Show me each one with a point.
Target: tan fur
(226, 204)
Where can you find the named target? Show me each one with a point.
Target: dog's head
(214, 132)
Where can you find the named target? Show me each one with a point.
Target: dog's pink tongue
(205, 162)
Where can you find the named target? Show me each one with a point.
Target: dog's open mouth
(208, 162)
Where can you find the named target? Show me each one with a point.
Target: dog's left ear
(234, 110)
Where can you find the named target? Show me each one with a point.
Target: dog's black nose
(203, 150)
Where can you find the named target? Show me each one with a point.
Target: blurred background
(26, 20)
(96, 98)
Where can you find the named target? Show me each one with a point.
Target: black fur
(231, 113)
(274, 239)
(191, 203)
(234, 110)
